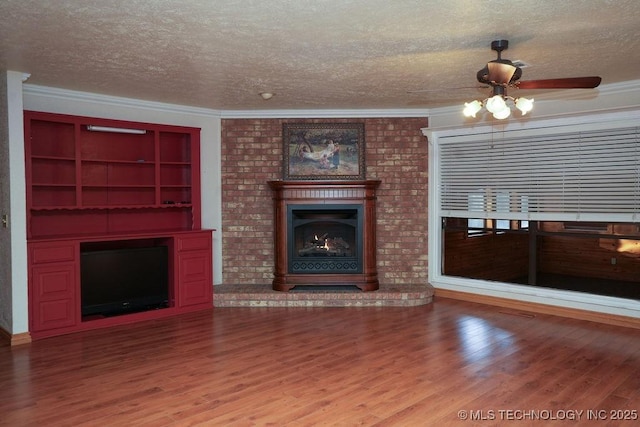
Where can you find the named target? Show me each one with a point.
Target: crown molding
(88, 97)
(324, 114)
(624, 94)
(71, 95)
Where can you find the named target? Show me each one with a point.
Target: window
(500, 204)
(475, 203)
(521, 175)
(566, 173)
(476, 227)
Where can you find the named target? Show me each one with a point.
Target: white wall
(13, 252)
(5, 205)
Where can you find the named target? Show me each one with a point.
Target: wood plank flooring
(297, 366)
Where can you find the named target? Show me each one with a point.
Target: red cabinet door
(53, 286)
(53, 296)
(195, 284)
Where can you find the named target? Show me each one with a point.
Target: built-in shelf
(79, 181)
(95, 188)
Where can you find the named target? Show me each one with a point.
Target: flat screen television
(121, 281)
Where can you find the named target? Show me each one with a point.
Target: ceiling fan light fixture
(524, 105)
(497, 106)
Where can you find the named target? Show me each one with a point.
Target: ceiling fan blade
(567, 83)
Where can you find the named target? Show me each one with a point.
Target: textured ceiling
(320, 54)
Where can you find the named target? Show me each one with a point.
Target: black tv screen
(120, 281)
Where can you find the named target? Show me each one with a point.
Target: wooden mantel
(361, 192)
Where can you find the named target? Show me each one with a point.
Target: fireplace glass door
(325, 239)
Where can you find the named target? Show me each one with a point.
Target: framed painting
(323, 151)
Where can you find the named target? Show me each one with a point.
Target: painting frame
(323, 151)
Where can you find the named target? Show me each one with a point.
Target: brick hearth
(301, 296)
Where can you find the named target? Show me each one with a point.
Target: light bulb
(502, 114)
(495, 103)
(525, 105)
(472, 108)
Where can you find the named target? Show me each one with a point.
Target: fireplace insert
(324, 239)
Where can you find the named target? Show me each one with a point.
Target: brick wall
(396, 153)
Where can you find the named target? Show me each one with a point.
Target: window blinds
(586, 172)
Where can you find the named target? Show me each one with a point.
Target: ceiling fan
(502, 73)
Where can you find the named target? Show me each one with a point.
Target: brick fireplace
(325, 234)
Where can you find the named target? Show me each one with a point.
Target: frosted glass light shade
(502, 114)
(472, 108)
(496, 103)
(524, 105)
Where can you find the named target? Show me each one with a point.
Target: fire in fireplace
(325, 238)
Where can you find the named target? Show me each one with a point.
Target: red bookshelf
(122, 181)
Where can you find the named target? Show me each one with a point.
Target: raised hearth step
(321, 296)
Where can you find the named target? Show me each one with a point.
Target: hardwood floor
(373, 366)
